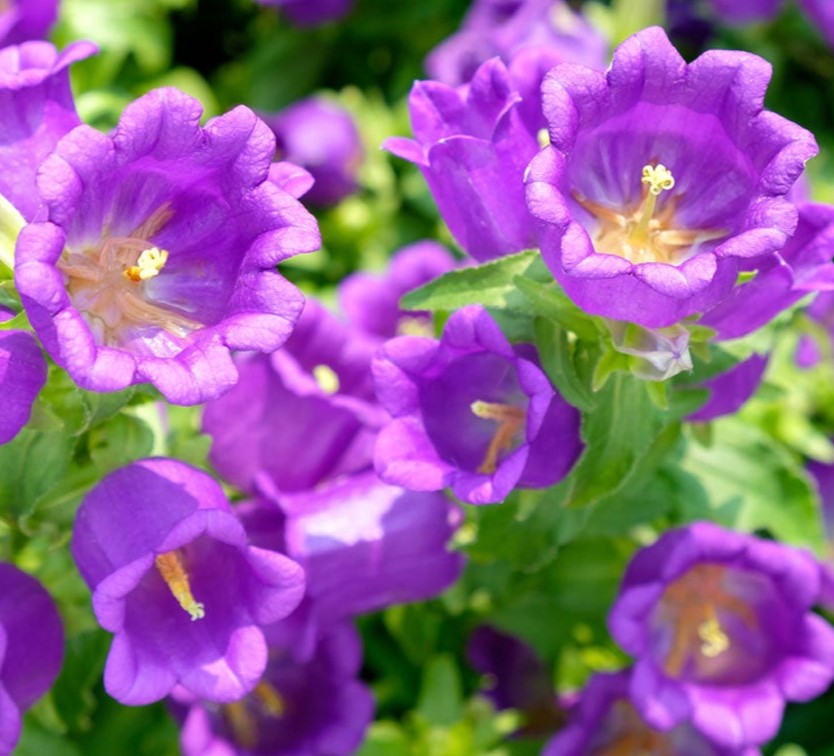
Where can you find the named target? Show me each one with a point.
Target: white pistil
(715, 640)
(658, 178)
(326, 378)
(149, 264)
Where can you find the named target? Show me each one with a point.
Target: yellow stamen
(243, 723)
(174, 574)
(326, 378)
(510, 419)
(149, 264)
(715, 640)
(270, 699)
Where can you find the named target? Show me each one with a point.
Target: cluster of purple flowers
(658, 193)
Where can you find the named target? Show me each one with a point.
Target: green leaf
(547, 300)
(121, 440)
(490, 284)
(441, 700)
(385, 739)
(747, 481)
(558, 359)
(30, 465)
(617, 433)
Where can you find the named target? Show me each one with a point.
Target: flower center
(107, 283)
(510, 421)
(327, 379)
(631, 736)
(695, 604)
(242, 715)
(646, 234)
(411, 325)
(176, 578)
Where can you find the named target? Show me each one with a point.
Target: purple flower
(365, 545)
(821, 15)
(604, 721)
(311, 12)
(518, 679)
(22, 376)
(372, 302)
(175, 579)
(730, 390)
(504, 27)
(299, 708)
(722, 631)
(781, 280)
(822, 311)
(663, 180)
(319, 135)
(314, 395)
(38, 109)
(471, 412)
(746, 11)
(31, 648)
(472, 146)
(22, 20)
(159, 252)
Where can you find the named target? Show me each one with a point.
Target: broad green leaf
(747, 481)
(441, 699)
(558, 357)
(490, 284)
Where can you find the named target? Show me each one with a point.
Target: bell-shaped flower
(472, 412)
(299, 707)
(321, 137)
(502, 28)
(175, 579)
(314, 394)
(31, 648)
(472, 146)
(22, 376)
(722, 631)
(38, 109)
(663, 180)
(604, 721)
(158, 255)
(24, 20)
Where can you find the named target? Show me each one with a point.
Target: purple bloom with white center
(472, 146)
(158, 256)
(663, 179)
(314, 394)
(31, 648)
(175, 579)
(731, 389)
(722, 631)
(781, 280)
(604, 721)
(22, 376)
(311, 12)
(372, 302)
(471, 412)
(502, 28)
(38, 108)
(299, 708)
(24, 20)
(320, 135)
